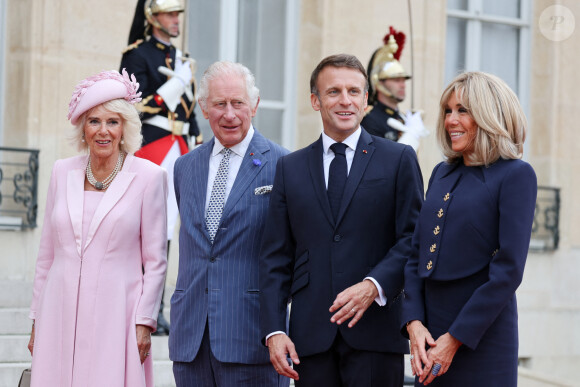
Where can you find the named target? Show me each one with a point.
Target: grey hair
(219, 69)
(495, 108)
(132, 137)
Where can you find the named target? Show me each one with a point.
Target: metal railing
(545, 229)
(18, 188)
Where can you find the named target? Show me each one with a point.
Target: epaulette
(368, 109)
(133, 46)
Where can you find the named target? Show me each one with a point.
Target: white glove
(178, 83)
(413, 129)
(183, 70)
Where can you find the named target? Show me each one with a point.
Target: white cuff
(273, 334)
(381, 299)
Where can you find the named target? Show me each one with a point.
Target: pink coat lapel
(75, 186)
(112, 196)
(75, 199)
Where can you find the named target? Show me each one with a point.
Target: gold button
(446, 197)
(436, 230)
(440, 213)
(433, 247)
(429, 265)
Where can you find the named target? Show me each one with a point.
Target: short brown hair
(338, 60)
(495, 108)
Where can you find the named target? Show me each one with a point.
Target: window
(491, 36)
(261, 34)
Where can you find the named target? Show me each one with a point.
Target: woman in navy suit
(471, 241)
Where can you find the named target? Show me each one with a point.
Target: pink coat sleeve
(46, 250)
(153, 247)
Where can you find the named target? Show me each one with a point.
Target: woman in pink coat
(101, 264)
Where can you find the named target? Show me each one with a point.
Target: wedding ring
(353, 310)
(147, 354)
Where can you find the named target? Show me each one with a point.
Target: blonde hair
(131, 126)
(501, 123)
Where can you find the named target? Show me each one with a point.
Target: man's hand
(352, 302)
(279, 346)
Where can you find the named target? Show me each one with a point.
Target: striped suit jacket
(219, 283)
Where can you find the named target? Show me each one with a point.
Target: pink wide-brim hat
(100, 88)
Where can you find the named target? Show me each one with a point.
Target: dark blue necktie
(337, 174)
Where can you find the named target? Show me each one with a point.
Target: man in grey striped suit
(223, 190)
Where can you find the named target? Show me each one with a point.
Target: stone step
(14, 348)
(15, 294)
(10, 373)
(14, 321)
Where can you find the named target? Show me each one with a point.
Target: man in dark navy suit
(338, 234)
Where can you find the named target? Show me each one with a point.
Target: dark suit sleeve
(408, 201)
(276, 260)
(517, 200)
(414, 301)
(175, 182)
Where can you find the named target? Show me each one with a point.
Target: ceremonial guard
(165, 77)
(386, 90)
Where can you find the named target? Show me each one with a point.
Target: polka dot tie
(218, 194)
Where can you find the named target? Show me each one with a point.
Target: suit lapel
(75, 187)
(112, 196)
(363, 153)
(199, 186)
(316, 166)
(254, 160)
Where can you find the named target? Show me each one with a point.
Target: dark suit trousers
(207, 371)
(344, 366)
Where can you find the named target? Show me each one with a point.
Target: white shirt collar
(240, 148)
(350, 141)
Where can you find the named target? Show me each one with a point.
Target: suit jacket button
(337, 238)
(212, 259)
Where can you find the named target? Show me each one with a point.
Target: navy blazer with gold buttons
(471, 244)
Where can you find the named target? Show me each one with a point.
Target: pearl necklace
(101, 185)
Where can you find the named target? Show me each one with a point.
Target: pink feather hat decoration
(100, 88)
